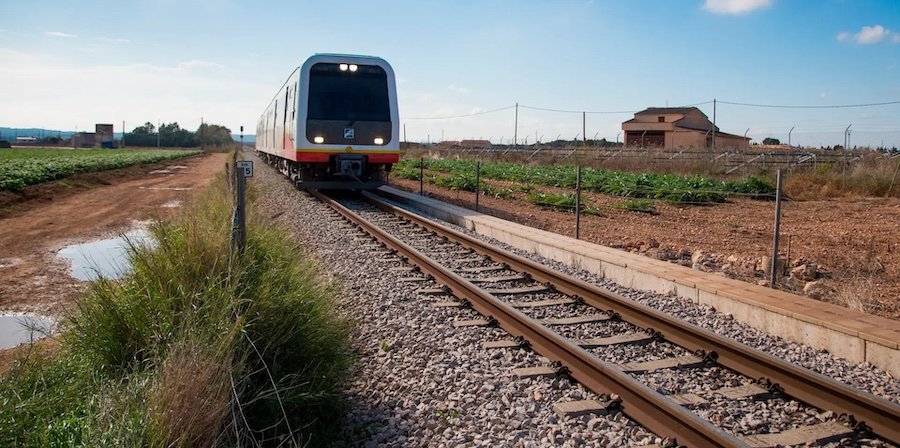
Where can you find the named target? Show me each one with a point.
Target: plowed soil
(855, 241)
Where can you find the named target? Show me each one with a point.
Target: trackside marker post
(242, 170)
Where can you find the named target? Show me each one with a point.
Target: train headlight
(379, 141)
(343, 67)
(319, 139)
(353, 67)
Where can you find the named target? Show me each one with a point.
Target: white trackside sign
(246, 166)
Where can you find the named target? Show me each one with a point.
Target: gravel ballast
(421, 381)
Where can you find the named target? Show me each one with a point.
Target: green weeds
(193, 348)
(637, 205)
(669, 187)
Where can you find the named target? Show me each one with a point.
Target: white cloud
(114, 40)
(199, 64)
(457, 89)
(735, 6)
(112, 93)
(59, 34)
(870, 35)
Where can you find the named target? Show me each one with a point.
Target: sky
(67, 64)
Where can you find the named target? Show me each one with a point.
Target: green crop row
(20, 168)
(670, 187)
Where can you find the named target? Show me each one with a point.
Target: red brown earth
(852, 245)
(38, 223)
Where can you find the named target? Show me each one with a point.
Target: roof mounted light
(353, 67)
(319, 139)
(343, 67)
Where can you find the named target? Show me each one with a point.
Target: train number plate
(349, 133)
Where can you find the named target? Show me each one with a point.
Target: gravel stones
(418, 380)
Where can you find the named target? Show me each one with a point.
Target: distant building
(677, 127)
(104, 135)
(84, 140)
(475, 144)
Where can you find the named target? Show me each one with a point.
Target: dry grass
(857, 294)
(871, 176)
(190, 398)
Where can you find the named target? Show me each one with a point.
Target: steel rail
(643, 404)
(863, 411)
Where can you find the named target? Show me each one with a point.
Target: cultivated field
(839, 242)
(20, 168)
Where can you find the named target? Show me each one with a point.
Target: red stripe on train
(322, 157)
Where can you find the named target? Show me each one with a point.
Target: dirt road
(35, 280)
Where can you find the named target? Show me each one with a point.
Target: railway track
(561, 317)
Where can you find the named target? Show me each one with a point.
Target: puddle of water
(15, 330)
(104, 258)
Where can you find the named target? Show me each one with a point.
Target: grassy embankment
(193, 348)
(20, 168)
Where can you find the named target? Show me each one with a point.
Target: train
(334, 124)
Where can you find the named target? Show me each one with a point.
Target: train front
(349, 124)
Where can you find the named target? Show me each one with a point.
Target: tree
(146, 129)
(214, 135)
(771, 141)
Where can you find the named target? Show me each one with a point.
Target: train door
(276, 141)
(285, 136)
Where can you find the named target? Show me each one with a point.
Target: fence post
(578, 203)
(421, 175)
(477, 183)
(772, 275)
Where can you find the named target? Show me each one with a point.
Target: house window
(661, 119)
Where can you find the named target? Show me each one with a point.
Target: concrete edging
(845, 333)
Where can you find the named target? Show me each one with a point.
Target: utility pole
(158, 131)
(714, 126)
(516, 132)
(789, 136)
(404, 133)
(584, 127)
(844, 151)
(123, 134)
(202, 140)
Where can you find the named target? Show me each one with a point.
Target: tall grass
(194, 348)
(869, 176)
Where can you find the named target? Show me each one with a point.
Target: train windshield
(348, 93)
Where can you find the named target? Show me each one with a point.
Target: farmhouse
(677, 127)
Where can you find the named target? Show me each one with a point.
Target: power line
(833, 106)
(566, 111)
(545, 109)
(461, 116)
